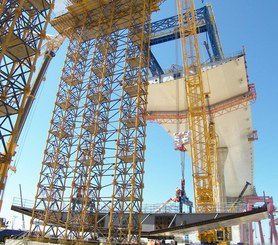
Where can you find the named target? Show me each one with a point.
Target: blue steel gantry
(168, 30)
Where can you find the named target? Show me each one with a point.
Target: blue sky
(247, 23)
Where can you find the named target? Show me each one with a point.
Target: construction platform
(230, 108)
(170, 225)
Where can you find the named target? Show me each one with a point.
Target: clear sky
(248, 23)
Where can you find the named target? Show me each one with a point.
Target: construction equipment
(181, 140)
(203, 145)
(22, 7)
(200, 153)
(239, 196)
(96, 140)
(56, 163)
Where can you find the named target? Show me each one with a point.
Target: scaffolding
(93, 164)
(23, 29)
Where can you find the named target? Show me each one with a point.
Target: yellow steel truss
(204, 139)
(93, 164)
(197, 120)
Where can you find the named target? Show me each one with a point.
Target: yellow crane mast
(203, 138)
(197, 119)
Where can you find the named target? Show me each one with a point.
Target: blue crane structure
(168, 30)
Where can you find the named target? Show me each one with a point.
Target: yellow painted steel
(5, 164)
(213, 144)
(197, 119)
(95, 150)
(17, 13)
(204, 139)
(128, 234)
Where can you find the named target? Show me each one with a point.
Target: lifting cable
(178, 120)
(177, 95)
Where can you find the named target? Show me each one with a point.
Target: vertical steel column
(97, 131)
(261, 232)
(106, 90)
(126, 206)
(213, 33)
(55, 182)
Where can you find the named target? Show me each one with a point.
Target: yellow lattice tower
(93, 164)
(197, 119)
(204, 139)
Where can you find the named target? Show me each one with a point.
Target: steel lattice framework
(203, 164)
(203, 145)
(23, 27)
(93, 165)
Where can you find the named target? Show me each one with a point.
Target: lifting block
(72, 81)
(129, 158)
(51, 164)
(136, 38)
(103, 47)
(87, 162)
(63, 134)
(101, 72)
(126, 159)
(92, 127)
(72, 56)
(132, 90)
(98, 98)
(75, 56)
